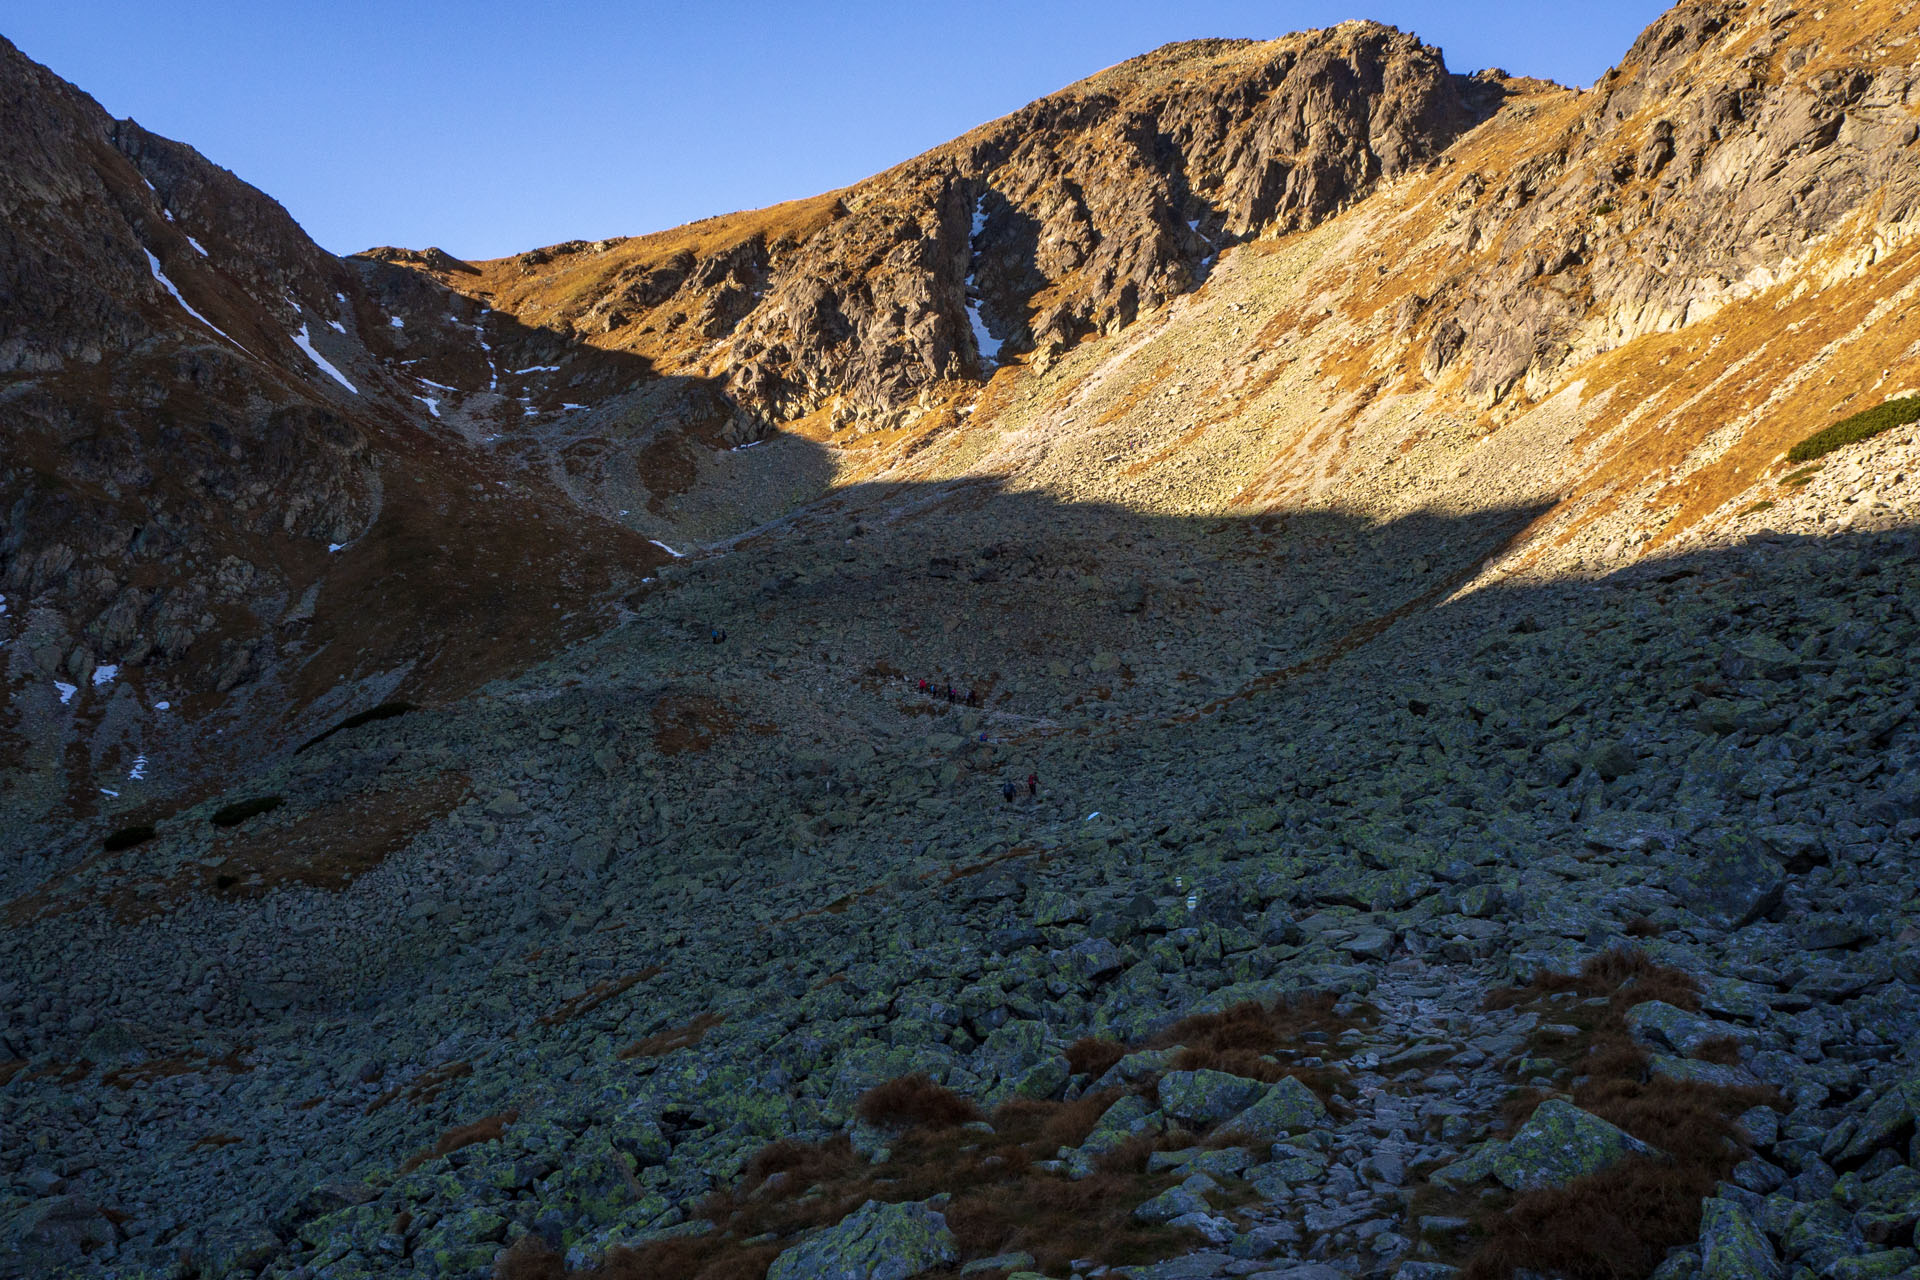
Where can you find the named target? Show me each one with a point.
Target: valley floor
(662, 901)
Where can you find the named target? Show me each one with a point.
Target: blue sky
(487, 127)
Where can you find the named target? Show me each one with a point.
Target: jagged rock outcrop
(1731, 137)
(198, 409)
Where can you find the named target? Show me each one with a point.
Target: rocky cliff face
(1067, 218)
(1730, 138)
(202, 414)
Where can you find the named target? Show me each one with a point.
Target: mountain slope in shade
(222, 488)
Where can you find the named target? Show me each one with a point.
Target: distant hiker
(1006, 791)
(973, 698)
(1033, 784)
(719, 636)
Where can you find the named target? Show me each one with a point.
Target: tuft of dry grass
(661, 1043)
(689, 722)
(424, 1088)
(488, 1129)
(1094, 1056)
(915, 1100)
(1255, 1041)
(595, 996)
(1619, 1223)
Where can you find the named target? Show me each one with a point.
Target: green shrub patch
(1861, 426)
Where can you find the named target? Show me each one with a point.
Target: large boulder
(1559, 1143)
(1893, 1113)
(1207, 1097)
(1663, 1026)
(56, 1231)
(1177, 1201)
(874, 1242)
(1735, 880)
(1732, 1247)
(1286, 1108)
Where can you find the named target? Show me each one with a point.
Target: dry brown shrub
(915, 1100)
(687, 1259)
(1724, 1050)
(689, 722)
(808, 1162)
(529, 1258)
(665, 1042)
(1255, 1040)
(1619, 1223)
(425, 1087)
(1094, 1056)
(466, 1135)
(595, 996)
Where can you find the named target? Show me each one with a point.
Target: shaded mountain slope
(227, 504)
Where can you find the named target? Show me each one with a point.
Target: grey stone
(1732, 1247)
(1655, 1022)
(874, 1242)
(1206, 1097)
(1734, 880)
(1559, 1143)
(1176, 1201)
(1286, 1107)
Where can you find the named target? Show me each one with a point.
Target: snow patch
(3, 604)
(105, 792)
(988, 344)
(335, 546)
(65, 690)
(433, 405)
(536, 368)
(166, 213)
(437, 386)
(301, 340)
(104, 674)
(162, 706)
(396, 322)
(573, 406)
(979, 216)
(677, 555)
(198, 247)
(153, 265)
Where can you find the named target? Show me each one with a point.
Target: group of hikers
(971, 698)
